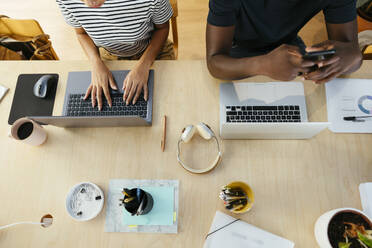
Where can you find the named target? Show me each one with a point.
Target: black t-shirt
(262, 25)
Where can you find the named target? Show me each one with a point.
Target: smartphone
(319, 55)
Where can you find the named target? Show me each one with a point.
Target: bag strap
(42, 47)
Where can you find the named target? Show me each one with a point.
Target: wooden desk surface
(294, 181)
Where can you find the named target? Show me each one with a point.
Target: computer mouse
(42, 85)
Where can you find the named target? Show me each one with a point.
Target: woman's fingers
(112, 83)
(87, 93)
(137, 94)
(146, 91)
(127, 88)
(106, 92)
(131, 90)
(99, 97)
(94, 91)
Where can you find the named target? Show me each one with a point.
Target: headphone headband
(206, 132)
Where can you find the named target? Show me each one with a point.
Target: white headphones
(207, 133)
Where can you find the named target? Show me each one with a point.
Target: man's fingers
(87, 93)
(106, 91)
(99, 97)
(131, 93)
(112, 82)
(329, 78)
(304, 70)
(94, 92)
(295, 53)
(322, 72)
(146, 92)
(330, 61)
(307, 63)
(329, 71)
(320, 47)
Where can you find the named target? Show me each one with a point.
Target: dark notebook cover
(24, 101)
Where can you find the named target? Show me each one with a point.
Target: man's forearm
(358, 59)
(228, 68)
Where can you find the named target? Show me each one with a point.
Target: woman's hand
(135, 82)
(101, 79)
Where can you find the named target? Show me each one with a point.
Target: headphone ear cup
(205, 131)
(187, 133)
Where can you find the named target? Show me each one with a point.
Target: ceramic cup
(28, 131)
(148, 203)
(321, 225)
(248, 191)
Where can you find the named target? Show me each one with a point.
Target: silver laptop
(79, 113)
(274, 110)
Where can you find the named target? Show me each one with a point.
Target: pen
(140, 208)
(162, 143)
(127, 200)
(126, 192)
(357, 118)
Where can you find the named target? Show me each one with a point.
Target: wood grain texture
(294, 181)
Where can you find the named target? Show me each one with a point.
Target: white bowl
(322, 223)
(85, 203)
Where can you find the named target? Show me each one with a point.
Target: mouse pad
(24, 101)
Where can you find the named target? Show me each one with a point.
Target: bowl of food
(344, 228)
(84, 201)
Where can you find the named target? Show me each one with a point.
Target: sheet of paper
(3, 91)
(114, 211)
(224, 232)
(268, 92)
(349, 97)
(365, 190)
(162, 211)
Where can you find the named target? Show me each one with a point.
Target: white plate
(86, 202)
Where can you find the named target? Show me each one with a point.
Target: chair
(173, 22)
(28, 30)
(365, 26)
(367, 53)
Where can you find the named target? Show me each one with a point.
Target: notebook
(162, 211)
(227, 231)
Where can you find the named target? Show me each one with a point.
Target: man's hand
(285, 63)
(134, 83)
(346, 58)
(101, 78)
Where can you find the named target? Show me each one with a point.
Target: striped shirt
(122, 27)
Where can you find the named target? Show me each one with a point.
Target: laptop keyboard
(283, 113)
(76, 106)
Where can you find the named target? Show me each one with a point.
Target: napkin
(365, 190)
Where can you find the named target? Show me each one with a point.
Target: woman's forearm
(158, 38)
(89, 47)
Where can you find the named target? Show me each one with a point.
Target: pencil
(162, 144)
